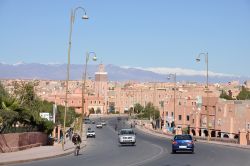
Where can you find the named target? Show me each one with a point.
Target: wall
(20, 141)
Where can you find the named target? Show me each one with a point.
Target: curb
(39, 158)
(151, 133)
(200, 141)
(227, 145)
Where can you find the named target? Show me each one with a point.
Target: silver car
(127, 137)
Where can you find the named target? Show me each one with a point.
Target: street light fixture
(198, 59)
(174, 77)
(72, 20)
(88, 54)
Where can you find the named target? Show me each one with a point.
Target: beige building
(184, 106)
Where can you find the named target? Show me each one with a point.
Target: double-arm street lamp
(198, 59)
(72, 20)
(173, 76)
(88, 54)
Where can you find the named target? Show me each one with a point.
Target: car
(87, 122)
(103, 123)
(99, 125)
(93, 122)
(182, 143)
(127, 137)
(90, 133)
(119, 118)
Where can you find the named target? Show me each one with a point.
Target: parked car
(99, 125)
(127, 137)
(182, 143)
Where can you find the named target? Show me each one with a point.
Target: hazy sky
(136, 33)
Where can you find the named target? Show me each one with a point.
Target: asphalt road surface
(150, 150)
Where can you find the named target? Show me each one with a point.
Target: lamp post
(174, 77)
(72, 20)
(84, 76)
(198, 59)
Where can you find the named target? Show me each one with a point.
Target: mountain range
(115, 73)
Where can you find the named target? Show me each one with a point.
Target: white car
(103, 123)
(99, 125)
(127, 137)
(90, 133)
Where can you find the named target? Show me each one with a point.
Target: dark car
(182, 143)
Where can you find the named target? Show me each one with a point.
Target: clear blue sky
(137, 33)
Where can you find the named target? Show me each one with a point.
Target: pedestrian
(70, 134)
(115, 127)
(61, 135)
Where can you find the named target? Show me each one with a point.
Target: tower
(101, 85)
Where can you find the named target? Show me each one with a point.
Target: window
(205, 107)
(193, 121)
(187, 117)
(172, 114)
(183, 137)
(167, 113)
(179, 117)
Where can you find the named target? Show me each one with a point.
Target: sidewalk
(39, 153)
(160, 133)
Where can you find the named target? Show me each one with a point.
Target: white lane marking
(151, 158)
(148, 159)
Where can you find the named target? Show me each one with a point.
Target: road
(149, 151)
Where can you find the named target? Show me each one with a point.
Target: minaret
(101, 85)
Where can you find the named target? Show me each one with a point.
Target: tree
(244, 94)
(70, 116)
(8, 110)
(150, 111)
(138, 108)
(91, 111)
(224, 95)
(23, 108)
(112, 107)
(98, 111)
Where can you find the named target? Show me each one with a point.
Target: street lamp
(174, 77)
(72, 20)
(88, 54)
(198, 59)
